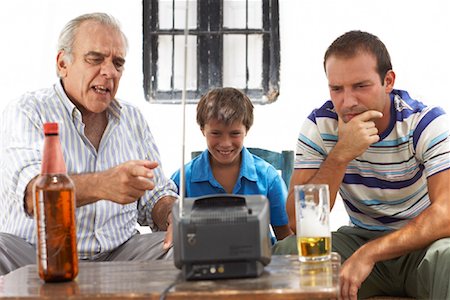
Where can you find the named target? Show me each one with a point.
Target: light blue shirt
(256, 177)
(101, 226)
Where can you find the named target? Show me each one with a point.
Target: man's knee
(433, 270)
(437, 255)
(286, 246)
(15, 252)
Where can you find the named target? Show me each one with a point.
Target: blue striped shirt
(386, 186)
(101, 226)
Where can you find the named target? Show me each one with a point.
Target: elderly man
(108, 148)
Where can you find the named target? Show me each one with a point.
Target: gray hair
(67, 35)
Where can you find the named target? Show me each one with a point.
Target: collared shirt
(101, 226)
(386, 186)
(256, 177)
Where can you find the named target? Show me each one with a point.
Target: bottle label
(42, 237)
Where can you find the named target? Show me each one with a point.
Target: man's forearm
(86, 191)
(419, 233)
(331, 172)
(88, 188)
(432, 224)
(161, 212)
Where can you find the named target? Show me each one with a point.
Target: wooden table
(284, 278)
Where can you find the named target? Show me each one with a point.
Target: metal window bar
(209, 51)
(247, 76)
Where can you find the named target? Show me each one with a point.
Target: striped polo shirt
(101, 226)
(386, 186)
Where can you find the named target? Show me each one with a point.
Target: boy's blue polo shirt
(256, 177)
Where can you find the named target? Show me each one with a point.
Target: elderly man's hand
(127, 182)
(168, 240)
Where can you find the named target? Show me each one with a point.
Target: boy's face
(224, 142)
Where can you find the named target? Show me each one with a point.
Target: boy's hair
(353, 42)
(226, 105)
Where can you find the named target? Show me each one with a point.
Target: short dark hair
(225, 105)
(353, 42)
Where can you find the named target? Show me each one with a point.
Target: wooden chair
(283, 161)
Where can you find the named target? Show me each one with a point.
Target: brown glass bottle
(54, 211)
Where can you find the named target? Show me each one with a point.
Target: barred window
(230, 43)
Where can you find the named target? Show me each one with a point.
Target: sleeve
(163, 185)
(432, 142)
(176, 178)
(310, 150)
(21, 141)
(277, 195)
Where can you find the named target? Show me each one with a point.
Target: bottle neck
(52, 159)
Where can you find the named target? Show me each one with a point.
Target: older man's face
(91, 78)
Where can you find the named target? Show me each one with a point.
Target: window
(230, 43)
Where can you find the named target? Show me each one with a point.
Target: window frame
(210, 52)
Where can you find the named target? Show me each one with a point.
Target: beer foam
(310, 225)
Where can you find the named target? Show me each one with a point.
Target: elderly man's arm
(161, 212)
(162, 218)
(122, 184)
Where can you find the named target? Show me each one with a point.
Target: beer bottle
(54, 212)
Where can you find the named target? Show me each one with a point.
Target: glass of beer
(312, 211)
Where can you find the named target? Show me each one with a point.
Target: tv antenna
(183, 110)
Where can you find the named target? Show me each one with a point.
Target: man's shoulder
(403, 102)
(407, 108)
(30, 100)
(326, 111)
(37, 95)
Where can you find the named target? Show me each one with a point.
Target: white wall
(415, 32)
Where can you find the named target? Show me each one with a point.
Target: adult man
(108, 149)
(388, 155)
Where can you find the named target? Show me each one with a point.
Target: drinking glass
(312, 210)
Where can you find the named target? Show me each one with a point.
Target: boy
(225, 115)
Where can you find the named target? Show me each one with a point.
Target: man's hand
(353, 273)
(122, 184)
(357, 135)
(162, 218)
(168, 239)
(127, 182)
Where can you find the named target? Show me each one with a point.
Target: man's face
(355, 85)
(91, 78)
(224, 142)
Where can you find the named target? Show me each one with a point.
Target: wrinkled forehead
(95, 36)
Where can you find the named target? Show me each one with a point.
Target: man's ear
(61, 64)
(389, 81)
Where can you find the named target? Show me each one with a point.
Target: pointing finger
(147, 163)
(141, 171)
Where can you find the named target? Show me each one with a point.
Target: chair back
(283, 161)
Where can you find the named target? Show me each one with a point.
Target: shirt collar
(201, 168)
(248, 167)
(113, 109)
